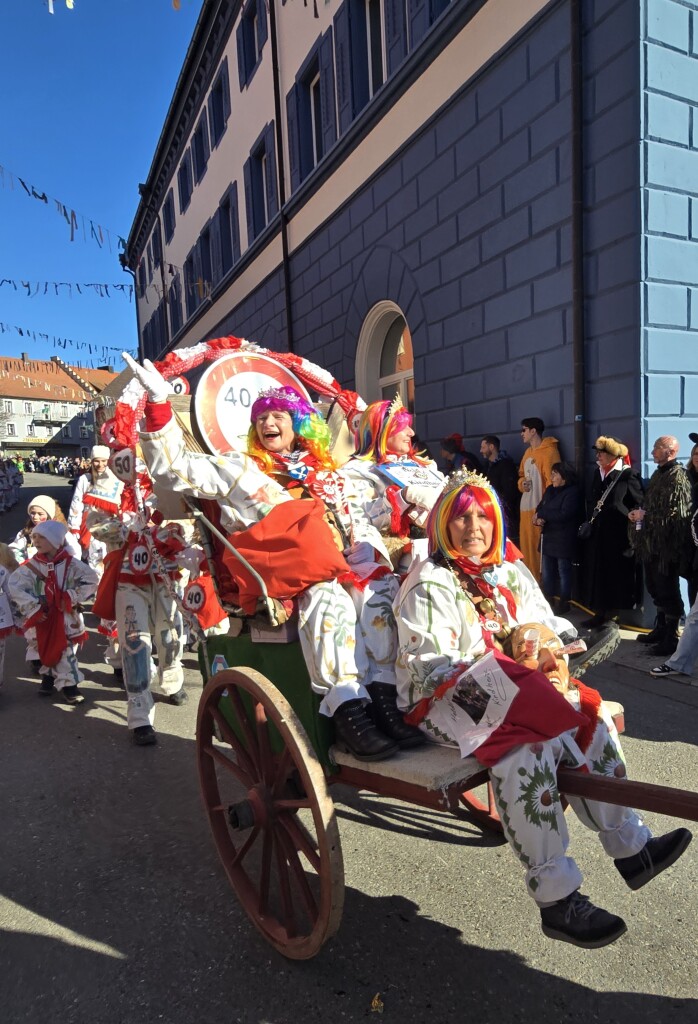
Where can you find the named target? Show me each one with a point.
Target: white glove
(135, 522)
(422, 497)
(191, 559)
(156, 386)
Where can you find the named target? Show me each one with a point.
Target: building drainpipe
(282, 172)
(578, 337)
(124, 266)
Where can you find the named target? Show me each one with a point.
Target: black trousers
(664, 590)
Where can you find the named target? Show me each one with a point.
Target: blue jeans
(684, 657)
(552, 570)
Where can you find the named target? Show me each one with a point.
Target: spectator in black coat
(611, 574)
(558, 514)
(503, 474)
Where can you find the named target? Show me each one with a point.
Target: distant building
(491, 205)
(47, 407)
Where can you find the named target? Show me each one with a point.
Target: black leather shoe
(575, 919)
(179, 698)
(655, 856)
(144, 736)
(356, 733)
(388, 717)
(666, 646)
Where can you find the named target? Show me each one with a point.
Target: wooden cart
(266, 765)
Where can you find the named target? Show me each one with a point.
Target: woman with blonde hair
(611, 575)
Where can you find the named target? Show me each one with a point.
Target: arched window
(384, 359)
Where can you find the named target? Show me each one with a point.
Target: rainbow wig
(376, 427)
(453, 502)
(312, 433)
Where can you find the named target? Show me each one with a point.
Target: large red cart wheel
(270, 812)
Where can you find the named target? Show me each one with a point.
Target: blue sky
(84, 97)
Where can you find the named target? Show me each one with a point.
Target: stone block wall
(669, 169)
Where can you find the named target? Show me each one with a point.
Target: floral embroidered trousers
(528, 802)
(144, 613)
(349, 638)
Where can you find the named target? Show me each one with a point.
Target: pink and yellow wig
(312, 433)
(454, 501)
(376, 426)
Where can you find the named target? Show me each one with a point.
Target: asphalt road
(114, 908)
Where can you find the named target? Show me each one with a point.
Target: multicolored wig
(379, 421)
(462, 490)
(312, 433)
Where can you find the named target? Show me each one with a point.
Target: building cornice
(211, 33)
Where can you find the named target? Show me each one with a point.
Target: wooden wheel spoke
(302, 840)
(247, 762)
(284, 767)
(245, 848)
(292, 805)
(219, 757)
(265, 872)
(242, 717)
(266, 758)
(296, 867)
(289, 920)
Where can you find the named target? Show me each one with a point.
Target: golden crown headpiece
(462, 477)
(395, 406)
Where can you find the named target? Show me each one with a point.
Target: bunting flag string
(77, 222)
(34, 288)
(94, 348)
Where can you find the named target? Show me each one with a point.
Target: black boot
(356, 733)
(657, 634)
(669, 640)
(596, 621)
(388, 717)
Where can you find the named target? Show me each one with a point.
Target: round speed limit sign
(194, 597)
(123, 465)
(140, 558)
(226, 393)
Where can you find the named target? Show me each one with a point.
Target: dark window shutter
(242, 69)
(327, 103)
(215, 243)
(261, 22)
(249, 201)
(419, 20)
(272, 191)
(235, 221)
(342, 49)
(225, 82)
(395, 33)
(204, 130)
(294, 164)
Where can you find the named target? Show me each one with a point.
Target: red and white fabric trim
(131, 404)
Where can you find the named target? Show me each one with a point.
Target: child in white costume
(47, 590)
(40, 509)
(139, 597)
(8, 564)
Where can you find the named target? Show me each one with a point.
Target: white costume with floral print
(347, 635)
(439, 629)
(368, 489)
(79, 582)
